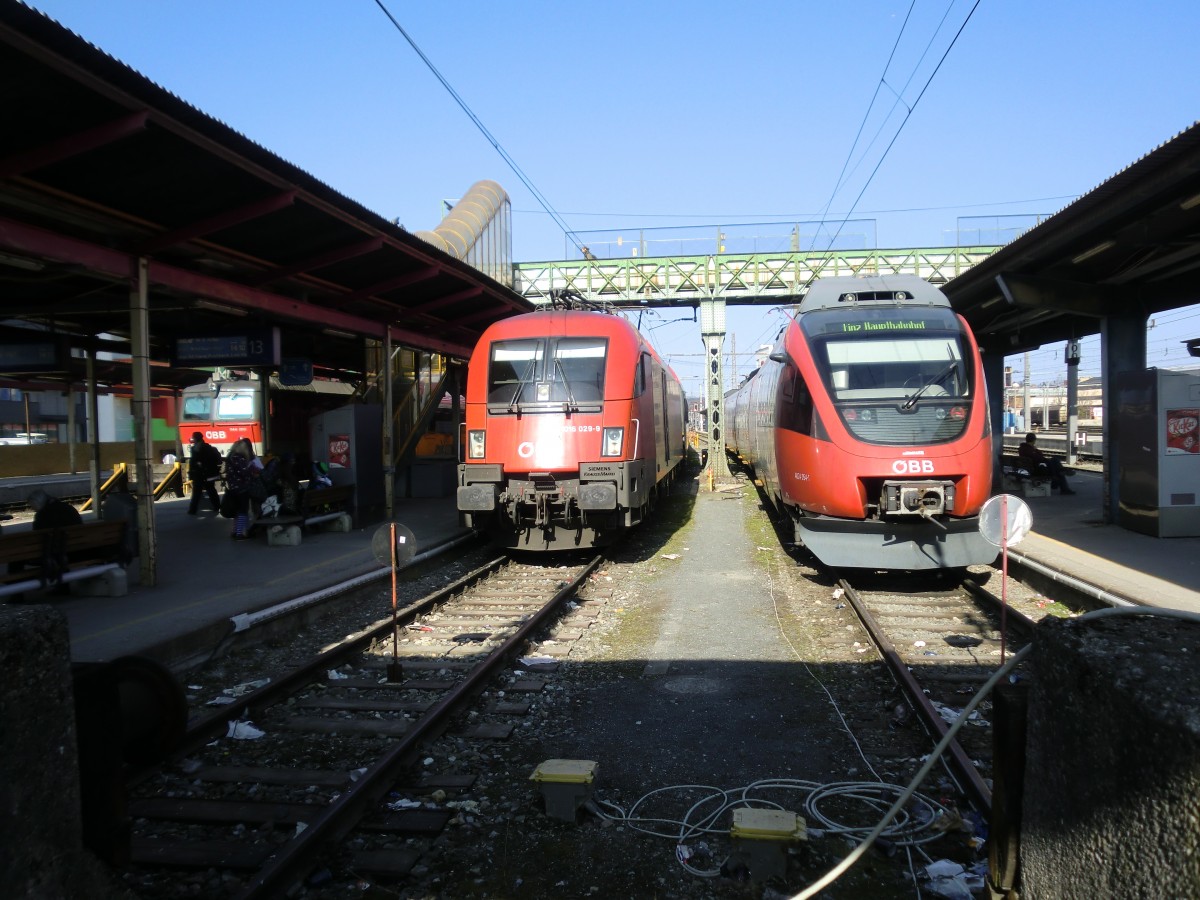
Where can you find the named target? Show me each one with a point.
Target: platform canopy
(101, 168)
(1129, 248)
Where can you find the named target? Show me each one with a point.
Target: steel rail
(971, 781)
(339, 818)
(215, 724)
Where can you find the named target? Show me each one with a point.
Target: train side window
(639, 376)
(794, 411)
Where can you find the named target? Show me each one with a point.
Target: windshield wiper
(570, 405)
(513, 403)
(912, 401)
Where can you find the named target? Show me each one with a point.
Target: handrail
(118, 479)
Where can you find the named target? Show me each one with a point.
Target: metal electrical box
(1157, 434)
(349, 440)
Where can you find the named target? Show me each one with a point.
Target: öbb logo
(913, 467)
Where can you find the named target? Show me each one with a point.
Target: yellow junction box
(566, 785)
(761, 838)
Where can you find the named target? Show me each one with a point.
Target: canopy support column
(139, 330)
(1122, 349)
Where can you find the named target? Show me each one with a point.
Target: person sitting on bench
(1040, 464)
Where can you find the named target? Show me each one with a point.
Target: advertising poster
(339, 451)
(1183, 431)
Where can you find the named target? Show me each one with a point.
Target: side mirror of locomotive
(779, 356)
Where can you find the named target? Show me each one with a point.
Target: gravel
(718, 661)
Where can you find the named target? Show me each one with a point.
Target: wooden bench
(317, 506)
(57, 556)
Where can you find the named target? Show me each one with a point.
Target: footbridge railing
(756, 278)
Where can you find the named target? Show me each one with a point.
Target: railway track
(318, 764)
(941, 646)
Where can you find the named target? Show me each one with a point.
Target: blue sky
(659, 114)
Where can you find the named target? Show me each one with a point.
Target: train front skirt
(883, 544)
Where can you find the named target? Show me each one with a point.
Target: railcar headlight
(476, 444)
(612, 442)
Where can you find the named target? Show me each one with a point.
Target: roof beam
(73, 145)
(1075, 298)
(448, 300)
(219, 222)
(313, 263)
(391, 284)
(39, 242)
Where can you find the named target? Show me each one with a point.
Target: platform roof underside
(1130, 247)
(100, 167)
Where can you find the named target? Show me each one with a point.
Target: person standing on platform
(1040, 464)
(204, 468)
(240, 469)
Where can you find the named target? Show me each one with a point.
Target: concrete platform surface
(204, 577)
(1069, 536)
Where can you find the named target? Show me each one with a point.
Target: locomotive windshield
(556, 371)
(225, 406)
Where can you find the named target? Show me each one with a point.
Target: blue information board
(251, 347)
(33, 356)
(295, 372)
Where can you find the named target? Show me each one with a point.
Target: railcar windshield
(896, 368)
(555, 371)
(897, 380)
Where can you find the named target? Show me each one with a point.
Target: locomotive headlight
(475, 444)
(612, 441)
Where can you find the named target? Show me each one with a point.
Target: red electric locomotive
(573, 427)
(868, 427)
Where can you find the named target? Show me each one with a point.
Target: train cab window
(197, 408)
(578, 370)
(513, 366)
(235, 406)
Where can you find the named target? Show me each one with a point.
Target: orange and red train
(869, 427)
(574, 427)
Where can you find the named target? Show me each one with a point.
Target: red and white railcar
(573, 427)
(869, 427)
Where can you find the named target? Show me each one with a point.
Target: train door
(666, 421)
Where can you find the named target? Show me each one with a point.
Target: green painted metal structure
(747, 279)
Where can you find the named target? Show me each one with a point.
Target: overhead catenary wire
(910, 109)
(491, 139)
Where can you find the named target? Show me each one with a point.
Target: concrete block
(40, 826)
(113, 583)
(343, 524)
(284, 536)
(1112, 774)
(1035, 488)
